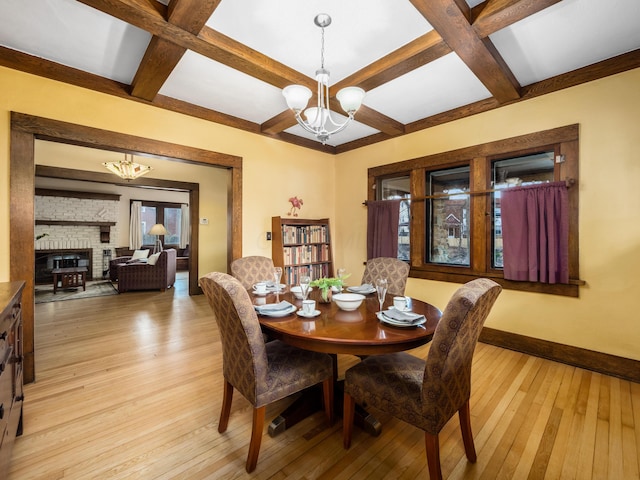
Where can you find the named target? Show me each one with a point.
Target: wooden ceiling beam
(494, 15)
(478, 54)
(415, 54)
(162, 56)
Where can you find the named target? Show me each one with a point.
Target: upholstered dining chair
(427, 393)
(394, 270)
(253, 269)
(262, 373)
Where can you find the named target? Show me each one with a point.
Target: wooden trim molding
(47, 192)
(25, 129)
(620, 367)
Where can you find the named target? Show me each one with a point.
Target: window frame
(564, 141)
(160, 206)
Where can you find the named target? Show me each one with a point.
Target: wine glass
(341, 272)
(277, 275)
(305, 280)
(381, 288)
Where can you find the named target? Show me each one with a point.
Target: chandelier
(127, 168)
(318, 119)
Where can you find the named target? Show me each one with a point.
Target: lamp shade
(296, 96)
(350, 98)
(158, 229)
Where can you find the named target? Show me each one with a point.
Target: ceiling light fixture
(319, 121)
(127, 168)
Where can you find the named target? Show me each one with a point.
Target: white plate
(279, 313)
(390, 321)
(361, 292)
(314, 314)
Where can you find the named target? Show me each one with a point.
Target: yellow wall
(602, 319)
(274, 171)
(605, 318)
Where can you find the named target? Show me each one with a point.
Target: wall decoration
(296, 204)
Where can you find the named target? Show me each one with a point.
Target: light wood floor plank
(130, 387)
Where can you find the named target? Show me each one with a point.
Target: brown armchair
(428, 393)
(394, 270)
(142, 276)
(261, 372)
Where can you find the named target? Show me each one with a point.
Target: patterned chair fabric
(249, 270)
(141, 276)
(428, 393)
(262, 373)
(394, 270)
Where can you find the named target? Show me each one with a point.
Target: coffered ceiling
(421, 62)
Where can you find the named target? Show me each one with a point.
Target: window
(399, 188)
(168, 214)
(456, 225)
(448, 214)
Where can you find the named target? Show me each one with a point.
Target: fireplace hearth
(47, 260)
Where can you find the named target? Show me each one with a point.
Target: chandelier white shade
(127, 168)
(319, 121)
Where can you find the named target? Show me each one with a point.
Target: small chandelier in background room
(127, 168)
(319, 121)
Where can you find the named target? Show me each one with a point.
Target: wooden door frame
(26, 129)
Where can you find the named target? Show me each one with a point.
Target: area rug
(97, 288)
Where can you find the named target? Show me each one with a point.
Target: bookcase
(301, 246)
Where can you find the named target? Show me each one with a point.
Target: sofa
(124, 254)
(144, 276)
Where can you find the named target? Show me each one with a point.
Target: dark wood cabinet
(301, 246)
(11, 373)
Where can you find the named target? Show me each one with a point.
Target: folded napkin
(407, 317)
(273, 307)
(365, 287)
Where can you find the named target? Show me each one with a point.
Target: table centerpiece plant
(325, 284)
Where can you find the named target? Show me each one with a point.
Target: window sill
(568, 290)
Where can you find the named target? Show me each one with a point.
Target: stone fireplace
(74, 229)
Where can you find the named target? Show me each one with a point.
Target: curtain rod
(567, 181)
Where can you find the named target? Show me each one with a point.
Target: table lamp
(157, 230)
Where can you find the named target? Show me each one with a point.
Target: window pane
(395, 188)
(148, 219)
(448, 225)
(172, 222)
(514, 172)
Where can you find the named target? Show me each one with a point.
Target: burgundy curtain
(535, 233)
(382, 228)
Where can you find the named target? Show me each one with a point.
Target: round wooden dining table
(337, 331)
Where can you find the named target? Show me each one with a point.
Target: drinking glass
(341, 272)
(381, 288)
(277, 275)
(305, 280)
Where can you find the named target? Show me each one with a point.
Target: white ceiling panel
(361, 31)
(206, 83)
(569, 35)
(70, 33)
(437, 87)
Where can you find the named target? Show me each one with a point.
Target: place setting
(270, 286)
(400, 314)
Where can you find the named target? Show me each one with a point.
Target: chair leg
(327, 390)
(467, 436)
(347, 419)
(226, 407)
(433, 456)
(256, 438)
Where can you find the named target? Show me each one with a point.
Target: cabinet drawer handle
(19, 398)
(1, 411)
(3, 335)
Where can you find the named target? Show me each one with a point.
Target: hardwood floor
(130, 387)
